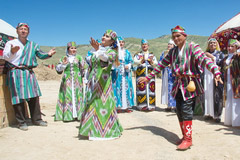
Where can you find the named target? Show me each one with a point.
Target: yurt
(7, 32)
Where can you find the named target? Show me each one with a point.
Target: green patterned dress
(100, 120)
(70, 98)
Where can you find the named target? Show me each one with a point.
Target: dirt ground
(149, 136)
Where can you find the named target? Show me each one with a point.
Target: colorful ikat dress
(100, 120)
(70, 98)
(122, 85)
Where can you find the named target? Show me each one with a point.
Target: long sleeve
(81, 65)
(129, 62)
(7, 54)
(13, 58)
(60, 66)
(161, 57)
(105, 54)
(161, 65)
(137, 59)
(101, 54)
(40, 54)
(203, 60)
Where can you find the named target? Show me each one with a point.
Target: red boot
(180, 140)
(187, 138)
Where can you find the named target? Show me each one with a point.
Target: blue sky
(56, 22)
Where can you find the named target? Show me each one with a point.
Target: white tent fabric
(232, 23)
(7, 29)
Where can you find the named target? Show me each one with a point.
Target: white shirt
(101, 54)
(71, 58)
(121, 54)
(230, 55)
(180, 52)
(146, 54)
(10, 57)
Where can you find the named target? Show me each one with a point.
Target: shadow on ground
(169, 136)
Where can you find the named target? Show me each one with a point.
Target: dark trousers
(218, 100)
(184, 108)
(34, 108)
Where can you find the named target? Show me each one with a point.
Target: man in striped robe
(187, 60)
(21, 56)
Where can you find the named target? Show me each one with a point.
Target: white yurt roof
(232, 23)
(7, 29)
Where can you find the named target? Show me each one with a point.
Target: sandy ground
(149, 136)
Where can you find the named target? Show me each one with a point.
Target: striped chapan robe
(189, 64)
(145, 93)
(100, 120)
(70, 98)
(21, 79)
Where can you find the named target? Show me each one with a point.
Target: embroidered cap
(22, 24)
(144, 41)
(71, 44)
(234, 42)
(112, 34)
(179, 29)
(120, 38)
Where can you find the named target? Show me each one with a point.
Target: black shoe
(173, 109)
(218, 120)
(40, 123)
(168, 109)
(207, 118)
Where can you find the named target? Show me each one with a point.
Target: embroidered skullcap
(22, 24)
(171, 42)
(212, 39)
(144, 41)
(112, 34)
(234, 42)
(179, 29)
(71, 44)
(120, 38)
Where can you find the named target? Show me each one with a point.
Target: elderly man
(186, 60)
(21, 56)
(145, 62)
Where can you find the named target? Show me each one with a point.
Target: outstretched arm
(202, 59)
(43, 55)
(161, 65)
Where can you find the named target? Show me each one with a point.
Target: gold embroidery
(140, 100)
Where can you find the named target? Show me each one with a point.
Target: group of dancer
(94, 95)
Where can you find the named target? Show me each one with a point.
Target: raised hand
(142, 80)
(94, 44)
(142, 60)
(150, 61)
(52, 52)
(14, 49)
(65, 60)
